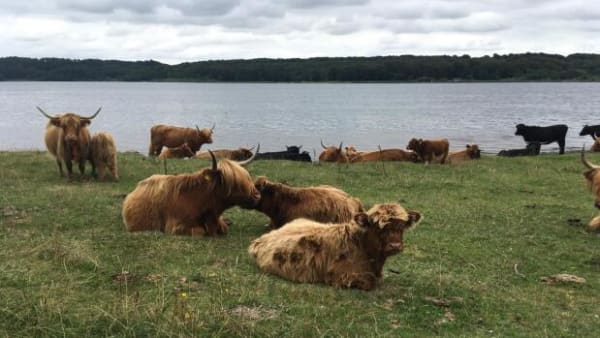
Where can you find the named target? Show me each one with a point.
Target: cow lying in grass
(103, 155)
(182, 151)
(190, 204)
(283, 203)
(344, 255)
(472, 152)
(392, 154)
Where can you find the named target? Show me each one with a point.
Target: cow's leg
(101, 170)
(113, 169)
(561, 144)
(223, 227)
(82, 167)
(69, 166)
(60, 168)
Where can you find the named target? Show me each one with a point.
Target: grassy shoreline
(491, 230)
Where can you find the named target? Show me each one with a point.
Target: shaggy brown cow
(190, 204)
(592, 175)
(384, 155)
(181, 151)
(67, 138)
(103, 154)
(471, 152)
(596, 146)
(239, 154)
(283, 203)
(351, 152)
(343, 255)
(333, 154)
(171, 137)
(430, 150)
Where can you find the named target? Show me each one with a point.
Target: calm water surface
(364, 115)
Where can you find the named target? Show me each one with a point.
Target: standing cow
(544, 135)
(344, 255)
(67, 138)
(593, 131)
(103, 155)
(430, 150)
(190, 204)
(171, 137)
(324, 203)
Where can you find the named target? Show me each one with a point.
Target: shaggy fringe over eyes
(383, 214)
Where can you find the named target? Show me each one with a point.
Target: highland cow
(190, 204)
(68, 139)
(381, 155)
(103, 155)
(471, 152)
(430, 150)
(182, 151)
(333, 154)
(240, 154)
(282, 203)
(171, 137)
(344, 255)
(592, 175)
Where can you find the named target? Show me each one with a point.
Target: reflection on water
(364, 115)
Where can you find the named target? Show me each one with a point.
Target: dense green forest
(511, 67)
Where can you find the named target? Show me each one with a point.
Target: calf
(103, 154)
(544, 135)
(182, 151)
(471, 153)
(430, 150)
(344, 255)
(283, 203)
(532, 149)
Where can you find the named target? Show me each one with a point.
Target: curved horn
(340, 149)
(213, 127)
(322, 145)
(43, 112)
(248, 161)
(91, 117)
(595, 137)
(198, 129)
(585, 162)
(214, 160)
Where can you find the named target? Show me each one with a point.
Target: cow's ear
(362, 219)
(414, 217)
(85, 122)
(55, 122)
(468, 146)
(260, 183)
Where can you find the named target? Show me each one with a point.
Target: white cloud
(176, 31)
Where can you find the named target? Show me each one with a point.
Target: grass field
(491, 230)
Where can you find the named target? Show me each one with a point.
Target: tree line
(402, 68)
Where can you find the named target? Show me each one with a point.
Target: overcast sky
(186, 30)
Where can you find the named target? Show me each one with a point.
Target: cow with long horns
(283, 203)
(67, 138)
(333, 154)
(171, 137)
(190, 204)
(344, 255)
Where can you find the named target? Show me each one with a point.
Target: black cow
(291, 153)
(544, 135)
(531, 149)
(593, 131)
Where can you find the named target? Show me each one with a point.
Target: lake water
(363, 115)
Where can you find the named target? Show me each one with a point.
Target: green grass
(491, 229)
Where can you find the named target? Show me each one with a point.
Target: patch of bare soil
(254, 313)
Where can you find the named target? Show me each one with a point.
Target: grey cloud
(144, 7)
(323, 3)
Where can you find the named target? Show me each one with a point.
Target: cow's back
(51, 138)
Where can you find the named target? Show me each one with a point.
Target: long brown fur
(189, 204)
(182, 151)
(430, 151)
(592, 176)
(382, 155)
(333, 154)
(68, 139)
(104, 155)
(239, 154)
(471, 152)
(171, 137)
(283, 203)
(344, 255)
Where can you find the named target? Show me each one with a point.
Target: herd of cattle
(319, 234)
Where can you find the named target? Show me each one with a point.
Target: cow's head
(351, 151)
(333, 154)
(473, 151)
(293, 149)
(385, 224)
(592, 175)
(233, 182)
(415, 144)
(71, 125)
(205, 135)
(586, 130)
(520, 129)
